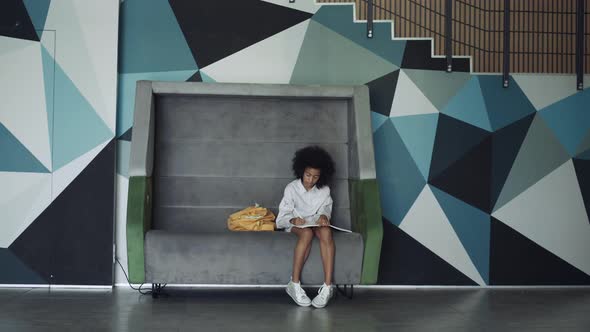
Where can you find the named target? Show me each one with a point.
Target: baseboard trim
(384, 287)
(65, 287)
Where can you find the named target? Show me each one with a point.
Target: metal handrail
(506, 31)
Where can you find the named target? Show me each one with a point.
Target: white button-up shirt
(296, 197)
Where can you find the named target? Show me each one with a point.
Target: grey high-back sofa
(200, 152)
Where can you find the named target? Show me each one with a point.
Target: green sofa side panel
(138, 222)
(366, 220)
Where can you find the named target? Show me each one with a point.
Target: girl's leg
(327, 251)
(302, 248)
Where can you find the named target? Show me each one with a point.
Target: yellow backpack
(252, 218)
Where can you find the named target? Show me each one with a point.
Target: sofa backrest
(214, 154)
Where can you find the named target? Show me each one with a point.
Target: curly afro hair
(314, 157)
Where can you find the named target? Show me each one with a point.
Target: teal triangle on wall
(206, 78)
(430, 82)
(569, 119)
(37, 10)
(49, 83)
(126, 93)
(14, 271)
(77, 128)
(472, 226)
(584, 155)
(400, 181)
(468, 105)
(15, 156)
(377, 119)
(504, 105)
(584, 144)
(327, 57)
(584, 147)
(418, 133)
(152, 39)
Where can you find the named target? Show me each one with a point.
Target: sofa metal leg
(156, 290)
(347, 292)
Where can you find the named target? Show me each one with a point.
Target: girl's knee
(325, 234)
(305, 234)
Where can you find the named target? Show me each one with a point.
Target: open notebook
(311, 221)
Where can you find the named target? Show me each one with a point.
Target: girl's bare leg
(327, 251)
(302, 249)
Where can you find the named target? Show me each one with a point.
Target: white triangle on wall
(271, 60)
(551, 213)
(408, 99)
(427, 223)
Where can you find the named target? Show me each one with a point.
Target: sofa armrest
(139, 215)
(366, 220)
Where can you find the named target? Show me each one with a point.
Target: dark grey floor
(272, 310)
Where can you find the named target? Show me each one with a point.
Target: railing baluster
(449, 34)
(580, 44)
(369, 18)
(506, 67)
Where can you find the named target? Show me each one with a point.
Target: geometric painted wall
(57, 127)
(493, 181)
(182, 40)
(480, 185)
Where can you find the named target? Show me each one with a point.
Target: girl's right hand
(297, 221)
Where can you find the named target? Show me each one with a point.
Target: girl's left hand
(323, 221)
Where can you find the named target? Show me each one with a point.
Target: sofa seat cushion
(244, 258)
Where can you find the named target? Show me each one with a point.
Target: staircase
(419, 42)
(542, 33)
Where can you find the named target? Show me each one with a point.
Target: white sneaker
(298, 294)
(324, 295)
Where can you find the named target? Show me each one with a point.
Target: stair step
(415, 54)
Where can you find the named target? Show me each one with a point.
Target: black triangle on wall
(71, 242)
(582, 168)
(15, 21)
(417, 55)
(453, 139)
(196, 77)
(516, 260)
(506, 143)
(127, 135)
(381, 92)
(216, 29)
(405, 261)
(469, 177)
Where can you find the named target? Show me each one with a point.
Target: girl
(309, 195)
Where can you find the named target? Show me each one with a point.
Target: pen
(297, 213)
